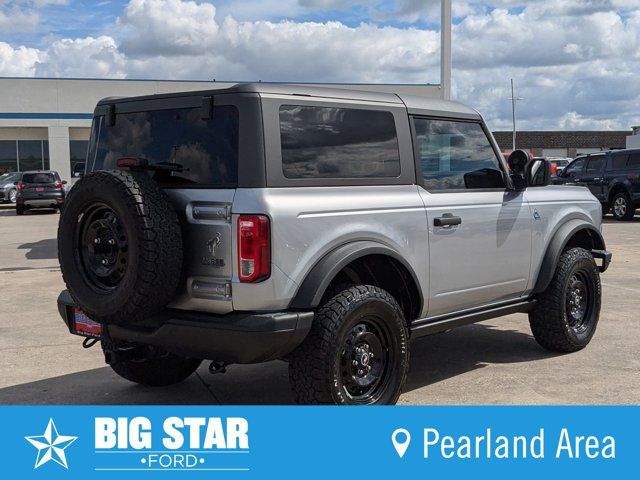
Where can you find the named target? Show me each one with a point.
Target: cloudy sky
(576, 63)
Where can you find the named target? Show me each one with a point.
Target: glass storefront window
(8, 156)
(30, 155)
(78, 155)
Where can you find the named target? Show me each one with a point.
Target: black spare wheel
(119, 246)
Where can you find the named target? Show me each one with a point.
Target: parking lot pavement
(494, 362)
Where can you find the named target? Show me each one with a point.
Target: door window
(594, 165)
(456, 155)
(575, 168)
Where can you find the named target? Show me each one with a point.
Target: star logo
(51, 446)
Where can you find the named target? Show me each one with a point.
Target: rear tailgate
(205, 215)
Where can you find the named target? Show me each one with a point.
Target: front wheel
(356, 353)
(567, 313)
(13, 194)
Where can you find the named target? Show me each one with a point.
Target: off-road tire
(550, 319)
(150, 275)
(156, 370)
(315, 366)
(629, 210)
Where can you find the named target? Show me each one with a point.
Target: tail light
(20, 186)
(58, 185)
(254, 248)
(554, 168)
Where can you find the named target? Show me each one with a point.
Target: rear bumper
(239, 337)
(43, 200)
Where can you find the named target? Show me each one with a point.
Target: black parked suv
(613, 177)
(40, 189)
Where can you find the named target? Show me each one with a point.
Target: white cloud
(84, 57)
(17, 62)
(574, 63)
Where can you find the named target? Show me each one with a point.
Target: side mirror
(64, 182)
(538, 173)
(517, 162)
(77, 174)
(16, 183)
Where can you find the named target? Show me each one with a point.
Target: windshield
(40, 177)
(205, 151)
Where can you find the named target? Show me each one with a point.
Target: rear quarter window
(207, 150)
(342, 143)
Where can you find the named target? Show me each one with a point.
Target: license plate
(83, 325)
(40, 189)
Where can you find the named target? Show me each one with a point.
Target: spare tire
(119, 246)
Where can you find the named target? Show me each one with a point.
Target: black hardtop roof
(415, 103)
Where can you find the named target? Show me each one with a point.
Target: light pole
(445, 49)
(513, 99)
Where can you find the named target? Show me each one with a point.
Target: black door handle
(446, 220)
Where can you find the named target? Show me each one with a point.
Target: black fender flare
(557, 245)
(324, 271)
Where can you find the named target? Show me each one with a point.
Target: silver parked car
(8, 188)
(326, 227)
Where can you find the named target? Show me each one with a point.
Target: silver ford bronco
(324, 227)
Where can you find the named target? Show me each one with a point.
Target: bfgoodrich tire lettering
(356, 353)
(119, 246)
(567, 313)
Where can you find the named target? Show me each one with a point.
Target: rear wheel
(567, 313)
(622, 207)
(356, 353)
(13, 194)
(150, 366)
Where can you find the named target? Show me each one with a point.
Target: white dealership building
(45, 122)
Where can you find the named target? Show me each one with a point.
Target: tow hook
(89, 342)
(218, 367)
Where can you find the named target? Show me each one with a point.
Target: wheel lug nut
(359, 372)
(104, 261)
(112, 241)
(354, 363)
(96, 241)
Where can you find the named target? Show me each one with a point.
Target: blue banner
(318, 442)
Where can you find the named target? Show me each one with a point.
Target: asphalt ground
(493, 362)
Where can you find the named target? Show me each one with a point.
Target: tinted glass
(206, 150)
(45, 152)
(618, 162)
(575, 167)
(634, 160)
(8, 156)
(594, 164)
(30, 154)
(456, 155)
(328, 142)
(39, 177)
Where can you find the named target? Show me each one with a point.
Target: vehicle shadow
(42, 249)
(10, 211)
(433, 359)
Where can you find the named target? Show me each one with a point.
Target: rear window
(206, 150)
(39, 177)
(330, 142)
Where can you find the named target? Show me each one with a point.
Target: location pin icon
(401, 444)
